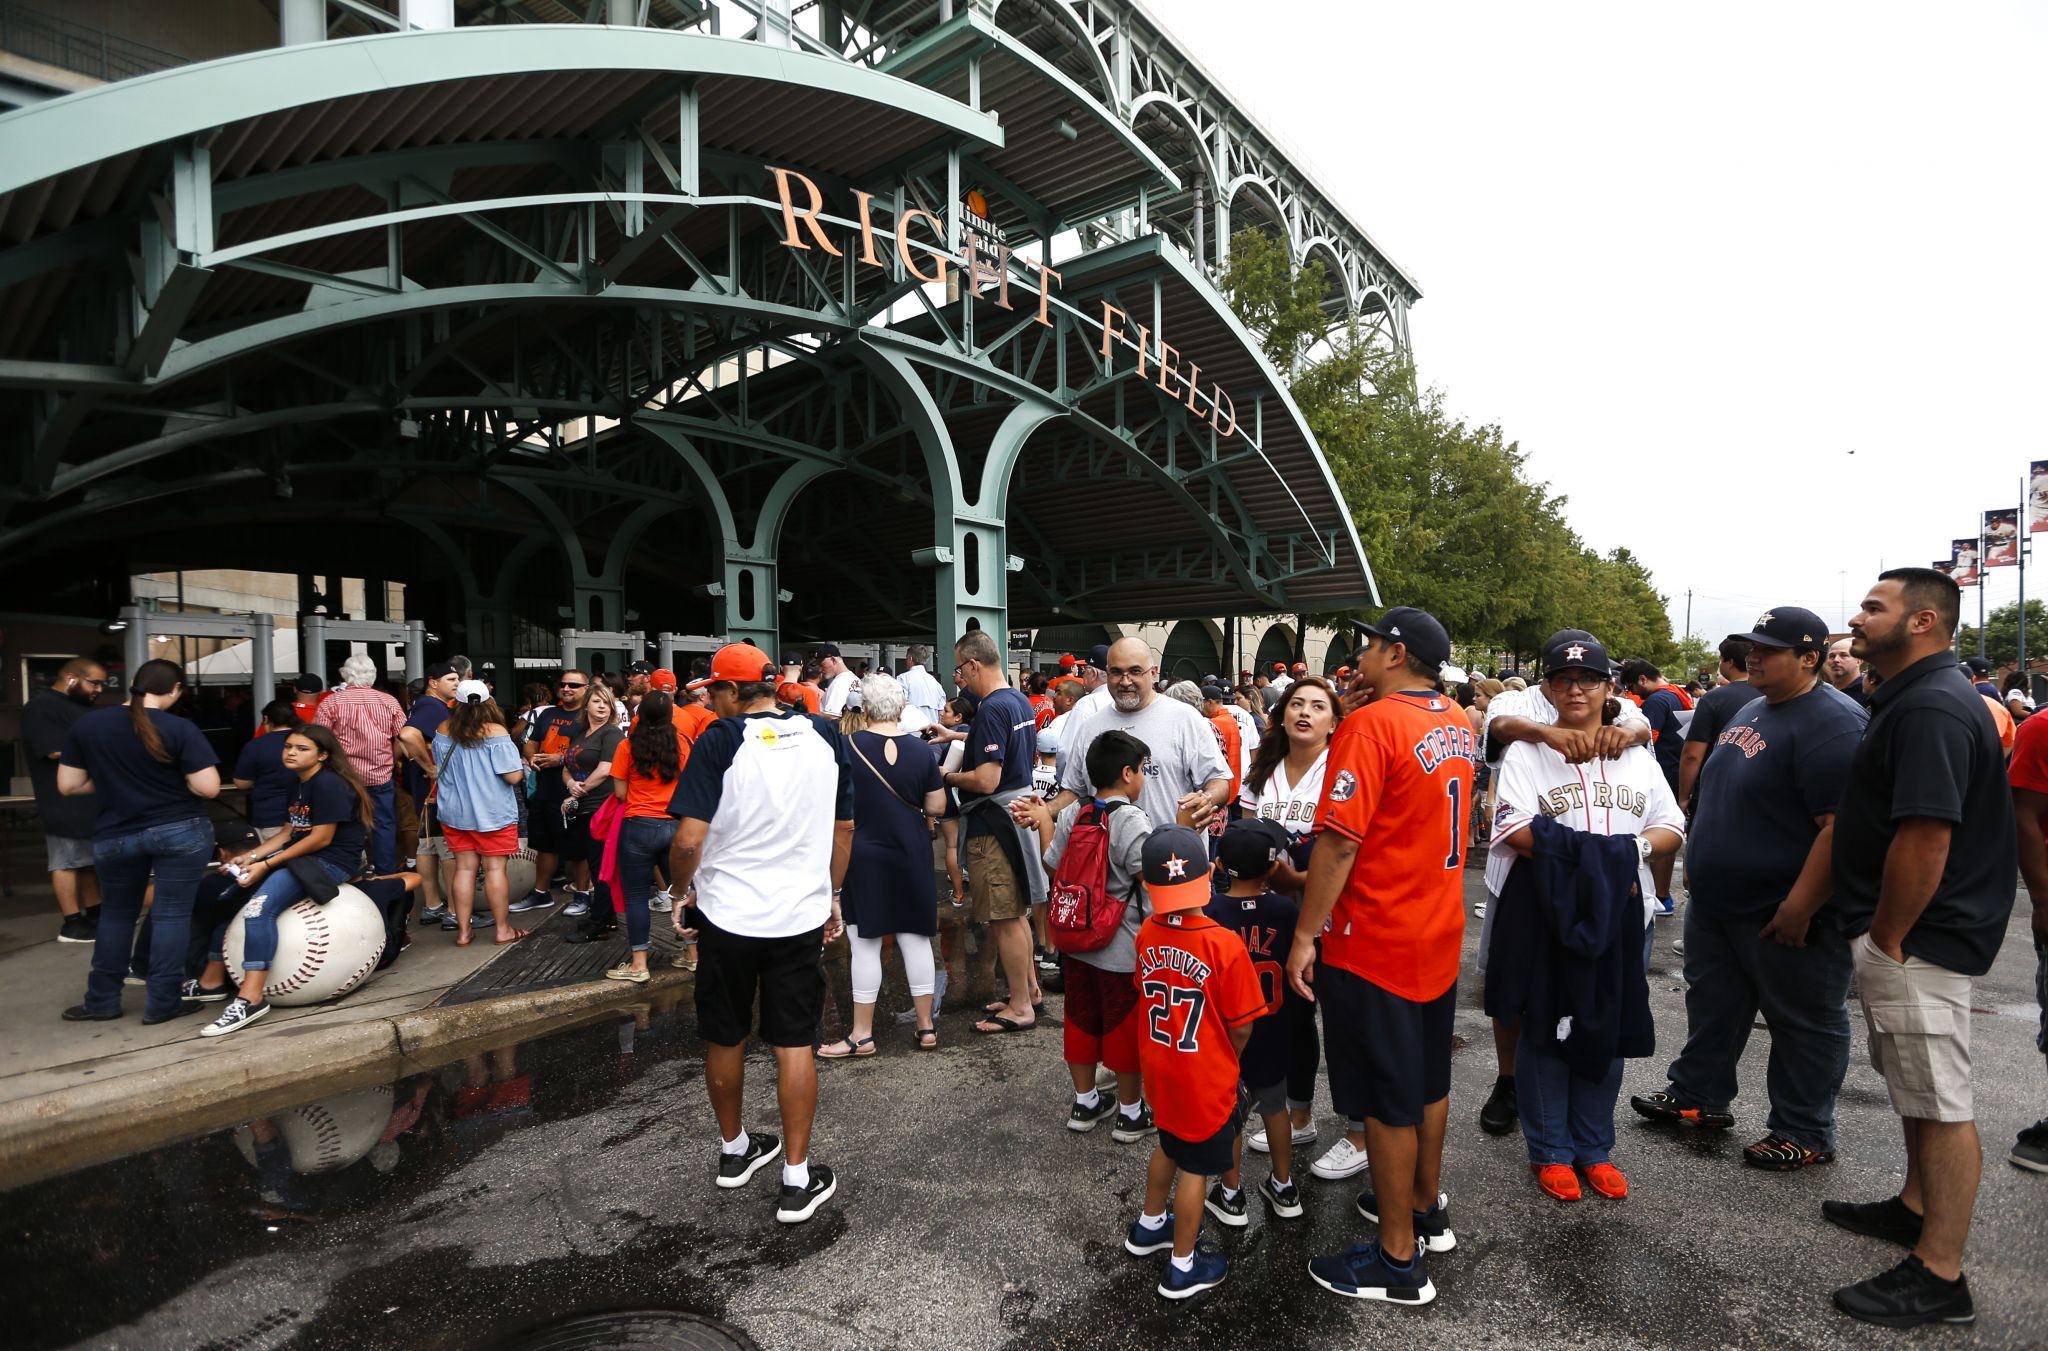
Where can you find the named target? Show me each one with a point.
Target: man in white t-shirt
(839, 681)
(766, 811)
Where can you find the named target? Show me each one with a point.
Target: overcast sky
(1691, 257)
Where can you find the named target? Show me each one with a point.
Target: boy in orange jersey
(1198, 997)
(1399, 775)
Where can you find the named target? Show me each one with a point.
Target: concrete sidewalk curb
(93, 1122)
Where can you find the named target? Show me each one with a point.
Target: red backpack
(1080, 914)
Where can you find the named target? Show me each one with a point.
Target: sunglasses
(574, 685)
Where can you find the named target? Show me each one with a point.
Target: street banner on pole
(2037, 496)
(2002, 537)
(1964, 562)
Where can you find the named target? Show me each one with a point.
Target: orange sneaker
(1606, 1179)
(1558, 1179)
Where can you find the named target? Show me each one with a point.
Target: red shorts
(502, 842)
(1101, 1025)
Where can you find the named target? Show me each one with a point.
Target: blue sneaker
(1666, 907)
(1363, 1272)
(1143, 1242)
(578, 906)
(1208, 1272)
(532, 900)
(1432, 1227)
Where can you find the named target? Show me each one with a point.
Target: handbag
(313, 879)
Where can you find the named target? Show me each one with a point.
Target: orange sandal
(1557, 1179)
(1606, 1179)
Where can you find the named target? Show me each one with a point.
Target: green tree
(2002, 633)
(1445, 510)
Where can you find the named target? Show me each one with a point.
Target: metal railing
(41, 36)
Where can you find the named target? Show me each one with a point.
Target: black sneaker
(1227, 1211)
(2030, 1150)
(1282, 1198)
(1048, 960)
(1907, 1296)
(237, 1015)
(1888, 1219)
(205, 994)
(79, 1013)
(1131, 1129)
(1087, 1118)
(76, 929)
(184, 1007)
(1363, 1272)
(1668, 1106)
(1432, 1226)
(1782, 1154)
(736, 1170)
(800, 1203)
(1502, 1110)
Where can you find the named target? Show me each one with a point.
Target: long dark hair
(337, 763)
(467, 721)
(158, 677)
(1274, 743)
(653, 738)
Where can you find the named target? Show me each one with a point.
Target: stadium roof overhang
(518, 288)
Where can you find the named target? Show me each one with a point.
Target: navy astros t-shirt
(1266, 923)
(135, 790)
(326, 799)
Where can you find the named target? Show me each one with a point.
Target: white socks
(1091, 1099)
(737, 1145)
(1130, 1111)
(796, 1174)
(1152, 1221)
(1183, 1263)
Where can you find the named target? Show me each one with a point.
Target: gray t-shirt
(1186, 753)
(1128, 828)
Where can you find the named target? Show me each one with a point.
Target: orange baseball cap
(662, 679)
(739, 664)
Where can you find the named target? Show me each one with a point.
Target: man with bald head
(1844, 670)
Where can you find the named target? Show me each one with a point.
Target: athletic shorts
(1388, 1057)
(1270, 1100)
(66, 854)
(500, 843)
(992, 883)
(786, 974)
(1211, 1157)
(1102, 1028)
(1918, 1015)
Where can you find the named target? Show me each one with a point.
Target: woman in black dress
(890, 887)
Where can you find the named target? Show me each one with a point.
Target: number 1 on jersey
(1456, 789)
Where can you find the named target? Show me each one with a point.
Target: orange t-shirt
(1233, 750)
(809, 694)
(691, 720)
(647, 795)
(2002, 716)
(1195, 982)
(1399, 781)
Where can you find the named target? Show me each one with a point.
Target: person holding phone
(1760, 932)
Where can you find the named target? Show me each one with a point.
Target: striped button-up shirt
(364, 721)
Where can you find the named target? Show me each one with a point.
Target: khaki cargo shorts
(992, 888)
(1918, 1015)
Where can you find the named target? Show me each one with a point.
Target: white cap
(472, 692)
(1452, 675)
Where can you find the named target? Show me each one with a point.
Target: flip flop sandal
(1037, 1007)
(927, 1045)
(855, 1050)
(1002, 1025)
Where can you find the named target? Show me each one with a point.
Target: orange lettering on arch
(808, 215)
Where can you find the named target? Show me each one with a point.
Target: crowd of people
(1238, 887)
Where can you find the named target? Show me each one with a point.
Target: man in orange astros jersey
(1399, 783)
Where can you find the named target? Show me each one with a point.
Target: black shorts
(547, 833)
(787, 975)
(1388, 1057)
(1212, 1157)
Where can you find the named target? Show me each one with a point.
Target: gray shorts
(1918, 1015)
(66, 854)
(1486, 930)
(1270, 1100)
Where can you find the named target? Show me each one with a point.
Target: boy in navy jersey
(1264, 919)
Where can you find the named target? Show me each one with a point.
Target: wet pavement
(477, 1203)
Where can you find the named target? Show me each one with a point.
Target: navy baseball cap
(1098, 656)
(1215, 692)
(1576, 650)
(1250, 845)
(1176, 869)
(1789, 626)
(441, 670)
(640, 668)
(1417, 630)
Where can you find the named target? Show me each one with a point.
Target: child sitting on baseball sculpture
(329, 817)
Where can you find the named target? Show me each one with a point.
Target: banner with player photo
(2002, 537)
(2037, 496)
(1963, 562)
(1945, 566)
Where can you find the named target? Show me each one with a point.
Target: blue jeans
(279, 892)
(178, 854)
(1732, 972)
(643, 842)
(383, 829)
(1565, 1119)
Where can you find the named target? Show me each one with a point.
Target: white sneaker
(1479, 909)
(662, 902)
(1339, 1161)
(1303, 1135)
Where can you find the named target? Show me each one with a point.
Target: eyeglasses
(1127, 672)
(99, 684)
(574, 685)
(1565, 680)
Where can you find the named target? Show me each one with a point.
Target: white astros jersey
(1602, 797)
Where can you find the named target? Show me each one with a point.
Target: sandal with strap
(847, 1048)
(927, 1039)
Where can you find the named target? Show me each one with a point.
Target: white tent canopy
(230, 665)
